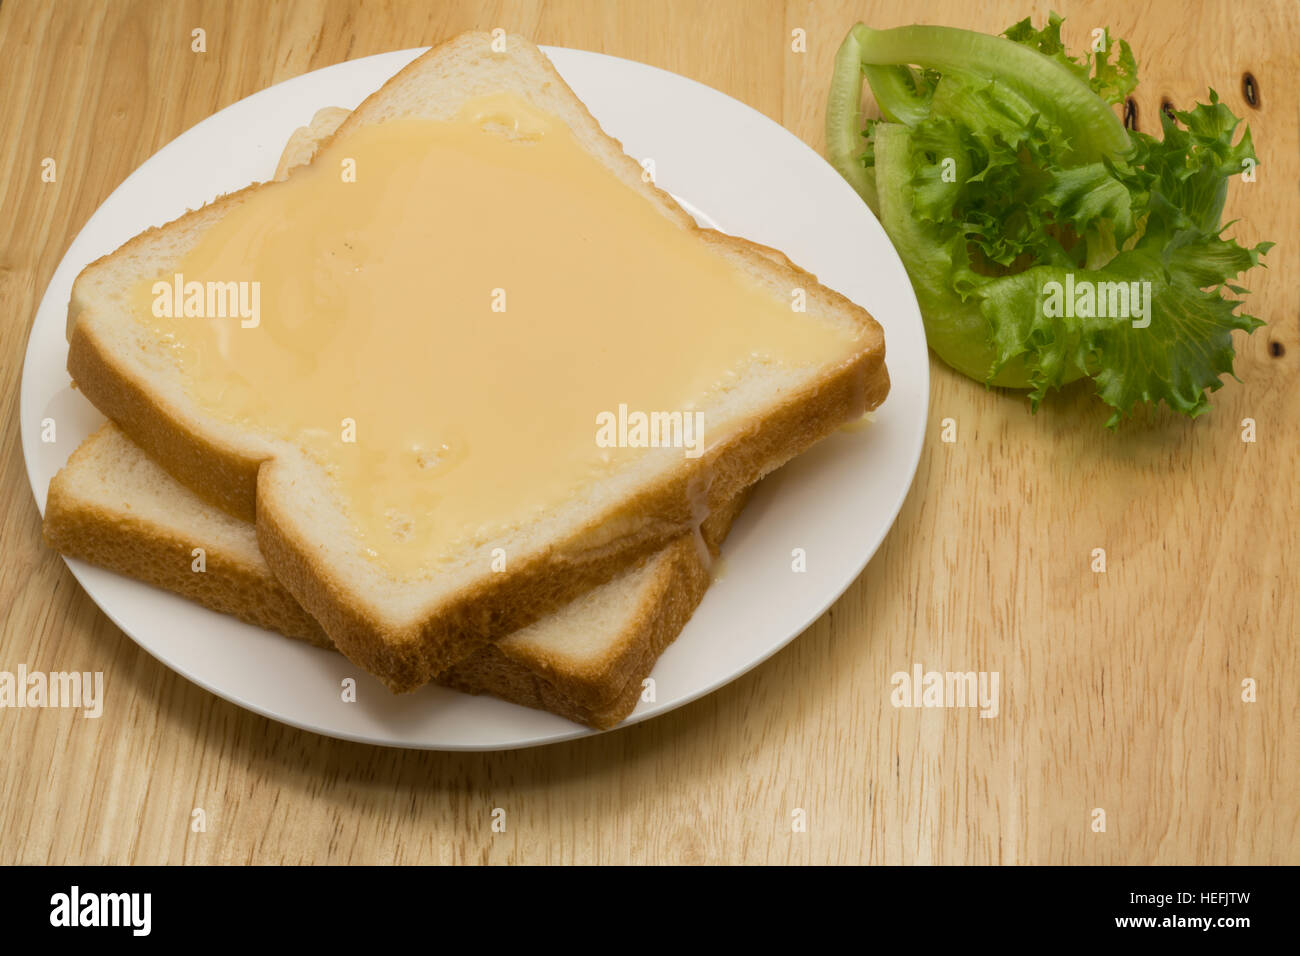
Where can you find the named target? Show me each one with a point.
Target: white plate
(732, 167)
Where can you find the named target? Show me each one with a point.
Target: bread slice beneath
(406, 631)
(113, 506)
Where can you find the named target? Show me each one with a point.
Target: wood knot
(1250, 89)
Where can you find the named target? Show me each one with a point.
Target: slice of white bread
(406, 631)
(113, 506)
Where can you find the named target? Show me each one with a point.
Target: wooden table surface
(1120, 691)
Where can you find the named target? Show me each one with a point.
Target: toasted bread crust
(496, 605)
(157, 555)
(604, 697)
(216, 473)
(600, 693)
(604, 691)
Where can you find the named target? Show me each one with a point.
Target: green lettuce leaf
(1113, 82)
(1004, 179)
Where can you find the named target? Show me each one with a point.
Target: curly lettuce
(1045, 242)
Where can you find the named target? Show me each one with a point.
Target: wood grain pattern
(1119, 690)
